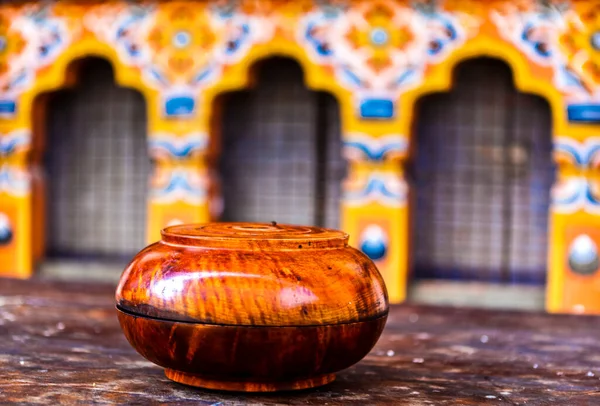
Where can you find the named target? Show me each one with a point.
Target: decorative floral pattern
(124, 27)
(573, 193)
(179, 182)
(579, 42)
(565, 37)
(31, 38)
(532, 26)
(377, 49)
(180, 48)
(380, 48)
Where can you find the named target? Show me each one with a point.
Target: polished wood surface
(253, 275)
(61, 343)
(251, 306)
(251, 358)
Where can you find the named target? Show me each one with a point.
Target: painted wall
(378, 57)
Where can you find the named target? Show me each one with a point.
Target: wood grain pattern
(251, 358)
(253, 275)
(252, 307)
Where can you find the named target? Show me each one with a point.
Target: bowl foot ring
(247, 386)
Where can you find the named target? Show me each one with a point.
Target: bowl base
(247, 386)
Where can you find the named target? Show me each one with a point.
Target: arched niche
(91, 150)
(277, 149)
(481, 170)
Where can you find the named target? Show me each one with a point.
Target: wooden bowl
(252, 307)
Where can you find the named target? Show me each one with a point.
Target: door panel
(482, 175)
(281, 151)
(97, 168)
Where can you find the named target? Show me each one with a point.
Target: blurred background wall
(453, 140)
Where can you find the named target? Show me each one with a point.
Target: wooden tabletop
(61, 344)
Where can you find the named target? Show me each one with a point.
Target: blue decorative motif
(532, 32)
(364, 147)
(179, 185)
(583, 154)
(14, 141)
(350, 77)
(373, 242)
(583, 255)
(179, 106)
(576, 192)
(443, 38)
(8, 107)
(6, 231)
(539, 47)
(54, 33)
(315, 33)
(182, 39)
(202, 76)
(235, 44)
(177, 147)
(124, 25)
(378, 186)
(379, 36)
(382, 188)
(583, 113)
(377, 108)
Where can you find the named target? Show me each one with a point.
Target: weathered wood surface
(61, 344)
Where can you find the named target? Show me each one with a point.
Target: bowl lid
(253, 274)
(254, 236)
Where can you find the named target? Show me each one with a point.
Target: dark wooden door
(97, 168)
(482, 173)
(281, 151)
